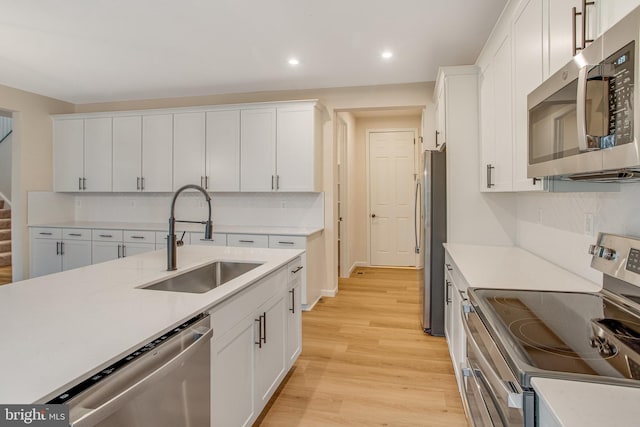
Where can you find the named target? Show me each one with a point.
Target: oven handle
(507, 388)
(96, 415)
(581, 106)
(474, 391)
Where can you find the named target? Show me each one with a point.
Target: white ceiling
(105, 50)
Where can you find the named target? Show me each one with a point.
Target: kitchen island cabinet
(116, 318)
(56, 250)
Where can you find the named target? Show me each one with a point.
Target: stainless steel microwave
(583, 120)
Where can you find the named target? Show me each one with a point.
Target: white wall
(560, 235)
(5, 167)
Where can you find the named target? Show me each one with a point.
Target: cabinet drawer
(287, 242)
(134, 236)
(76, 234)
(46, 233)
(107, 235)
(227, 314)
(295, 269)
(454, 273)
(218, 239)
(248, 240)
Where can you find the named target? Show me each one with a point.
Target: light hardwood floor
(366, 362)
(5, 275)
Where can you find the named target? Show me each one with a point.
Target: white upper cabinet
(496, 171)
(247, 147)
(142, 153)
(560, 40)
(127, 153)
(157, 153)
(297, 149)
(441, 117)
(527, 32)
(223, 150)
(611, 11)
(188, 149)
(258, 150)
(82, 154)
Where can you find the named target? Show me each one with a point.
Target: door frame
(343, 196)
(416, 161)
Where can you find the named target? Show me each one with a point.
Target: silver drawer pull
(75, 234)
(286, 243)
(137, 237)
(106, 235)
(246, 241)
(297, 269)
(46, 234)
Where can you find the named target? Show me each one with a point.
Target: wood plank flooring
(366, 361)
(5, 275)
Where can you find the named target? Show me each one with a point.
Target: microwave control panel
(621, 88)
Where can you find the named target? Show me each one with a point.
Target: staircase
(5, 235)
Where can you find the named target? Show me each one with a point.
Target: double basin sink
(205, 278)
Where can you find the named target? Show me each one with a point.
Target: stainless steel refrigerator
(431, 200)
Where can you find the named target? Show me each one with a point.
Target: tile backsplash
(560, 226)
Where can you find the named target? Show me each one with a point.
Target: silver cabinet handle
(137, 237)
(206, 182)
(262, 329)
(75, 234)
(45, 233)
(448, 296)
(84, 183)
(246, 241)
(137, 183)
(61, 248)
(57, 248)
(437, 133)
(489, 169)
(293, 300)
(142, 182)
(119, 251)
(277, 182)
(201, 181)
(106, 235)
(272, 180)
(297, 269)
(264, 325)
(79, 183)
(286, 243)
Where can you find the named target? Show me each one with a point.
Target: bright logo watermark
(34, 415)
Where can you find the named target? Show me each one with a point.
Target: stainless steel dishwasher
(164, 383)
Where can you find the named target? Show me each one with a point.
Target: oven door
(494, 396)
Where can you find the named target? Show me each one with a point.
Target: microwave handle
(581, 107)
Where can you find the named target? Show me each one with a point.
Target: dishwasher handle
(120, 399)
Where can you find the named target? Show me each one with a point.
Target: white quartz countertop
(574, 403)
(61, 328)
(511, 267)
(155, 226)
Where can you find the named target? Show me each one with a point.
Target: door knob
(373, 215)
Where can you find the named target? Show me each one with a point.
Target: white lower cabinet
(248, 240)
(56, 249)
(249, 357)
(294, 311)
(113, 244)
(455, 290)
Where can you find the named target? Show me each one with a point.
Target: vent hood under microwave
(583, 120)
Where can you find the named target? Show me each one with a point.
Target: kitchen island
(59, 329)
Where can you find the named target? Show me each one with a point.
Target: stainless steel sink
(205, 278)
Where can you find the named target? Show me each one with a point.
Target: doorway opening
(353, 128)
(6, 158)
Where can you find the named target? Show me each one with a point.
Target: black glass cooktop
(578, 333)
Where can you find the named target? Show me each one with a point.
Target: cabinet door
(487, 125)
(98, 163)
(105, 251)
(232, 372)
(75, 254)
(188, 149)
(560, 33)
(68, 154)
(448, 312)
(295, 149)
(157, 153)
(527, 75)
(294, 319)
(611, 12)
(127, 153)
(502, 174)
(258, 149)
(45, 258)
(269, 365)
(223, 150)
(441, 118)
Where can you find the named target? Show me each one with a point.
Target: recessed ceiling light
(386, 54)
(294, 61)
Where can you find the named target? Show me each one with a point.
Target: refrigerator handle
(418, 216)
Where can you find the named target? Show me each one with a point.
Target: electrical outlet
(588, 224)
(539, 215)
(283, 204)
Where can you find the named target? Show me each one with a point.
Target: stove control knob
(594, 250)
(608, 349)
(608, 254)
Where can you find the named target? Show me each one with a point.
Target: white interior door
(391, 195)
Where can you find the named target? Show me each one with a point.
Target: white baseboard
(329, 292)
(309, 307)
(356, 265)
